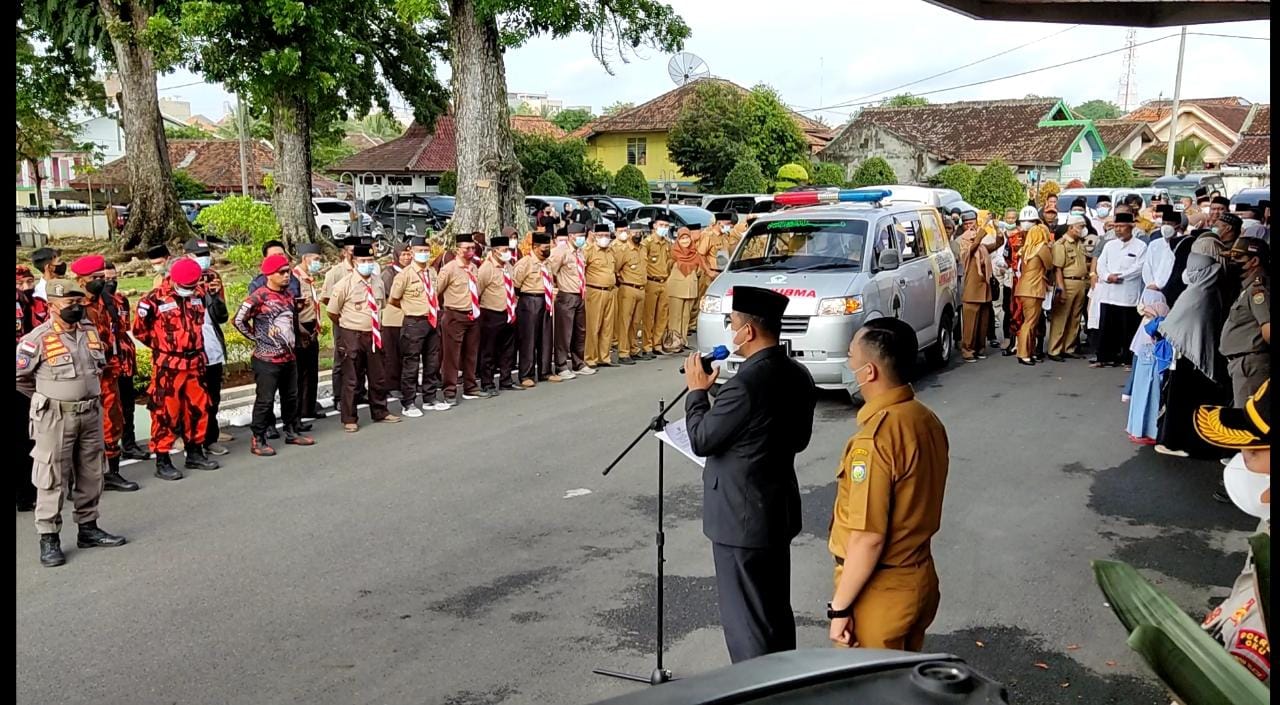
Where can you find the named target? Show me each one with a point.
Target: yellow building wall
(611, 149)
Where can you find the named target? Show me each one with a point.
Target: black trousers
(360, 363)
(570, 331)
(335, 380)
(271, 377)
(753, 586)
(1115, 331)
(308, 376)
(128, 404)
(1006, 304)
(212, 380)
(391, 358)
(419, 350)
(26, 492)
(497, 349)
(533, 326)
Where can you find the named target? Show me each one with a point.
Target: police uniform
(496, 281)
(657, 257)
(600, 272)
(630, 308)
(535, 304)
(1248, 354)
(414, 290)
(58, 367)
(890, 482)
(1070, 257)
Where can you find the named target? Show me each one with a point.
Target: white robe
(1157, 264)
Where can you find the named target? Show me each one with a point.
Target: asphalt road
(456, 558)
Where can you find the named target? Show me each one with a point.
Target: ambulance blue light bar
(814, 198)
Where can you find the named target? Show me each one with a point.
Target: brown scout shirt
(350, 301)
(891, 479)
(631, 266)
(308, 311)
(562, 266)
(493, 295)
(409, 289)
(452, 286)
(1070, 257)
(601, 268)
(391, 315)
(336, 273)
(977, 272)
(60, 361)
(529, 274)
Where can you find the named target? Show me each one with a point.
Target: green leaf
(1112, 172)
(630, 183)
(873, 171)
(996, 189)
(1261, 545)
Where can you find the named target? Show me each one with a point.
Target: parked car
(680, 216)
(1185, 185)
(842, 265)
(1252, 196)
(740, 203)
(614, 208)
(534, 204)
(192, 207)
(425, 211)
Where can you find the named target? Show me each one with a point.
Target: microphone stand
(657, 423)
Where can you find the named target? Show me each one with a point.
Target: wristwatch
(833, 613)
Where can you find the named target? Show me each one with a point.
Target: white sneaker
(584, 370)
(1164, 450)
(566, 374)
(412, 412)
(440, 406)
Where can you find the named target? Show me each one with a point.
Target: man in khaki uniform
(460, 331)
(337, 273)
(1071, 270)
(657, 258)
(568, 267)
(414, 292)
(355, 307)
(58, 366)
(601, 275)
(975, 315)
(535, 305)
(393, 321)
(1246, 334)
(888, 506)
(497, 284)
(630, 308)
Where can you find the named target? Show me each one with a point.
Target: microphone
(719, 352)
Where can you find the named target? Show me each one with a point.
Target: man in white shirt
(1119, 273)
(50, 265)
(1158, 263)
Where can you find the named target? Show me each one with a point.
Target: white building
(539, 103)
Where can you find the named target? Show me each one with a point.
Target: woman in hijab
(682, 289)
(1144, 381)
(1199, 374)
(1033, 282)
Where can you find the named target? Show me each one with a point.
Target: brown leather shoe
(528, 383)
(350, 427)
(389, 418)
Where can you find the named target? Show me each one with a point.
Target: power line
(998, 78)
(1228, 36)
(184, 85)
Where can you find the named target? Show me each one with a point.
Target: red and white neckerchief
(547, 288)
(376, 328)
(509, 287)
(474, 290)
(582, 273)
(429, 288)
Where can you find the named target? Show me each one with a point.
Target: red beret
(88, 264)
(185, 272)
(273, 264)
(24, 272)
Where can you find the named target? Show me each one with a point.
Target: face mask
(1026, 224)
(1245, 488)
(71, 314)
(856, 371)
(95, 286)
(1077, 212)
(662, 232)
(157, 268)
(1214, 230)
(110, 287)
(365, 268)
(602, 241)
(504, 257)
(1167, 230)
(60, 269)
(422, 257)
(204, 261)
(314, 267)
(544, 252)
(725, 229)
(1104, 211)
(183, 291)
(579, 241)
(1248, 223)
(733, 345)
(685, 243)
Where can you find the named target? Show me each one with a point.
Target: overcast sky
(822, 54)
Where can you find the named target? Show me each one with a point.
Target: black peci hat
(764, 303)
(1124, 218)
(500, 241)
(418, 241)
(463, 238)
(362, 250)
(541, 238)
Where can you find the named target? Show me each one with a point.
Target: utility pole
(244, 157)
(1173, 116)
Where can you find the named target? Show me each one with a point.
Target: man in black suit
(761, 419)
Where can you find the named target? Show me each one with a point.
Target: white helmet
(1029, 213)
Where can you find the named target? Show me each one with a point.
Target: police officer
(630, 295)
(888, 500)
(534, 308)
(761, 419)
(58, 365)
(1246, 334)
(1071, 274)
(656, 248)
(601, 275)
(414, 292)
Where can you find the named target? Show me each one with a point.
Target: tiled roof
(1260, 122)
(1116, 133)
(583, 132)
(979, 131)
(360, 140)
(1229, 112)
(428, 151)
(1251, 150)
(214, 163)
(1152, 157)
(536, 125)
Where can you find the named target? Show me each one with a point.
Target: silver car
(842, 265)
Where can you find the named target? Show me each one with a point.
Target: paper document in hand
(676, 435)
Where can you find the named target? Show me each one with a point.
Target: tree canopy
(617, 107)
(1111, 172)
(186, 132)
(571, 119)
(1097, 109)
(721, 126)
(746, 177)
(997, 189)
(904, 100)
(630, 183)
(959, 177)
(873, 171)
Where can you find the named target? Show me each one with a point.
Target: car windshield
(333, 207)
(627, 204)
(693, 215)
(442, 204)
(802, 244)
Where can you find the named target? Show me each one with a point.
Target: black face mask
(544, 252)
(72, 314)
(96, 286)
(60, 269)
(111, 286)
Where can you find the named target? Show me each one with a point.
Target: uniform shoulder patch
(858, 470)
(28, 347)
(1259, 297)
(167, 306)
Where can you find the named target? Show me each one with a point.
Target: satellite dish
(685, 67)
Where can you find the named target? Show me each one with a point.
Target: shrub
(996, 189)
(240, 220)
(745, 177)
(828, 174)
(958, 177)
(873, 171)
(794, 173)
(630, 183)
(449, 183)
(549, 183)
(1111, 172)
(142, 378)
(186, 186)
(595, 178)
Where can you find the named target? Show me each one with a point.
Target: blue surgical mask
(662, 232)
(580, 241)
(204, 261)
(1104, 211)
(365, 269)
(422, 257)
(314, 267)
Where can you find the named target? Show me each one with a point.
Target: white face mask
(183, 291)
(733, 345)
(725, 229)
(1027, 224)
(602, 241)
(504, 257)
(856, 371)
(1103, 211)
(1245, 488)
(1247, 223)
(1167, 230)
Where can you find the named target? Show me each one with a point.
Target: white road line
(577, 493)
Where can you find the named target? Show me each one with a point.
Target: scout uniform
(1248, 354)
(414, 291)
(392, 322)
(356, 303)
(890, 482)
(601, 274)
(337, 273)
(657, 258)
(58, 366)
(631, 280)
(496, 281)
(707, 242)
(535, 304)
(567, 267)
(308, 308)
(1070, 258)
(460, 294)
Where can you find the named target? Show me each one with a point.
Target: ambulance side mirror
(889, 260)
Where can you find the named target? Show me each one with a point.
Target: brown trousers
(1064, 319)
(533, 332)
(975, 318)
(570, 323)
(1031, 313)
(360, 363)
(627, 319)
(460, 343)
(599, 326)
(68, 443)
(654, 321)
(895, 607)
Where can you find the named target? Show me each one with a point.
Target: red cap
(185, 272)
(88, 264)
(273, 264)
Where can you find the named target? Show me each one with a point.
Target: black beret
(417, 241)
(541, 239)
(500, 241)
(464, 238)
(362, 250)
(308, 248)
(1124, 218)
(1222, 201)
(600, 228)
(158, 252)
(754, 301)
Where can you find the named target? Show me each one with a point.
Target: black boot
(272, 432)
(302, 427)
(90, 536)
(51, 551)
(198, 459)
(165, 469)
(114, 481)
(131, 451)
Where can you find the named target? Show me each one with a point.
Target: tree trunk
(291, 194)
(35, 175)
(489, 194)
(155, 218)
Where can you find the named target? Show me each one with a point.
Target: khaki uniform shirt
(631, 265)
(657, 255)
(309, 310)
(493, 294)
(891, 479)
(601, 267)
(1071, 258)
(563, 268)
(1035, 269)
(529, 275)
(336, 273)
(409, 289)
(391, 315)
(350, 301)
(1242, 331)
(711, 244)
(976, 281)
(60, 361)
(453, 286)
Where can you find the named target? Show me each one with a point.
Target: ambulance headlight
(711, 304)
(842, 306)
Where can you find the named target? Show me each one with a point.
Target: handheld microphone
(719, 352)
